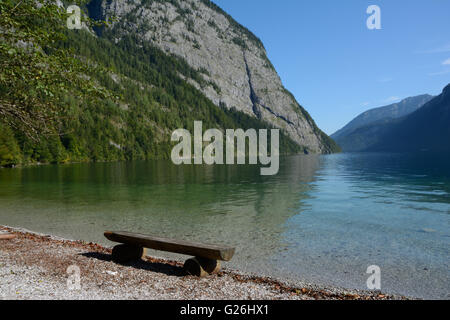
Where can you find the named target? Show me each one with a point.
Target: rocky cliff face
(232, 60)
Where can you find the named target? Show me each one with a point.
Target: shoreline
(34, 266)
(45, 164)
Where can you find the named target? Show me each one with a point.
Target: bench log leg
(201, 267)
(124, 253)
(7, 236)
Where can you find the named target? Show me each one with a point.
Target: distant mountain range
(363, 131)
(426, 128)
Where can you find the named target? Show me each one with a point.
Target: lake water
(322, 219)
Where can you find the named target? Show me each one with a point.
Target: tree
(9, 150)
(34, 73)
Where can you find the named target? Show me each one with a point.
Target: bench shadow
(157, 267)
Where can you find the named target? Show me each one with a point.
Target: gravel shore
(34, 266)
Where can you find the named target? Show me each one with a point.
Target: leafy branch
(35, 73)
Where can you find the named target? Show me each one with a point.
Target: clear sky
(335, 66)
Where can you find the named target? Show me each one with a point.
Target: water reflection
(322, 218)
(218, 204)
(390, 210)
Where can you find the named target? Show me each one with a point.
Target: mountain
(365, 129)
(119, 92)
(232, 60)
(425, 130)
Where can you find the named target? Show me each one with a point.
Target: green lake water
(321, 219)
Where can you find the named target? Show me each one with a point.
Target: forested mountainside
(76, 95)
(231, 59)
(359, 133)
(425, 130)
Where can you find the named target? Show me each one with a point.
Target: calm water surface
(322, 219)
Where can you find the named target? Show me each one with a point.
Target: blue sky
(335, 66)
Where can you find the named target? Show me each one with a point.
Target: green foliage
(31, 65)
(240, 42)
(105, 100)
(238, 27)
(9, 149)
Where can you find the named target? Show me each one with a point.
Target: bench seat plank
(209, 251)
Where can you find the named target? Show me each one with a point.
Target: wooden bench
(6, 235)
(206, 258)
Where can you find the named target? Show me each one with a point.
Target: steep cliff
(235, 70)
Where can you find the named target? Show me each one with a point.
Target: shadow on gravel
(157, 267)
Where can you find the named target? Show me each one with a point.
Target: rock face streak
(231, 59)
